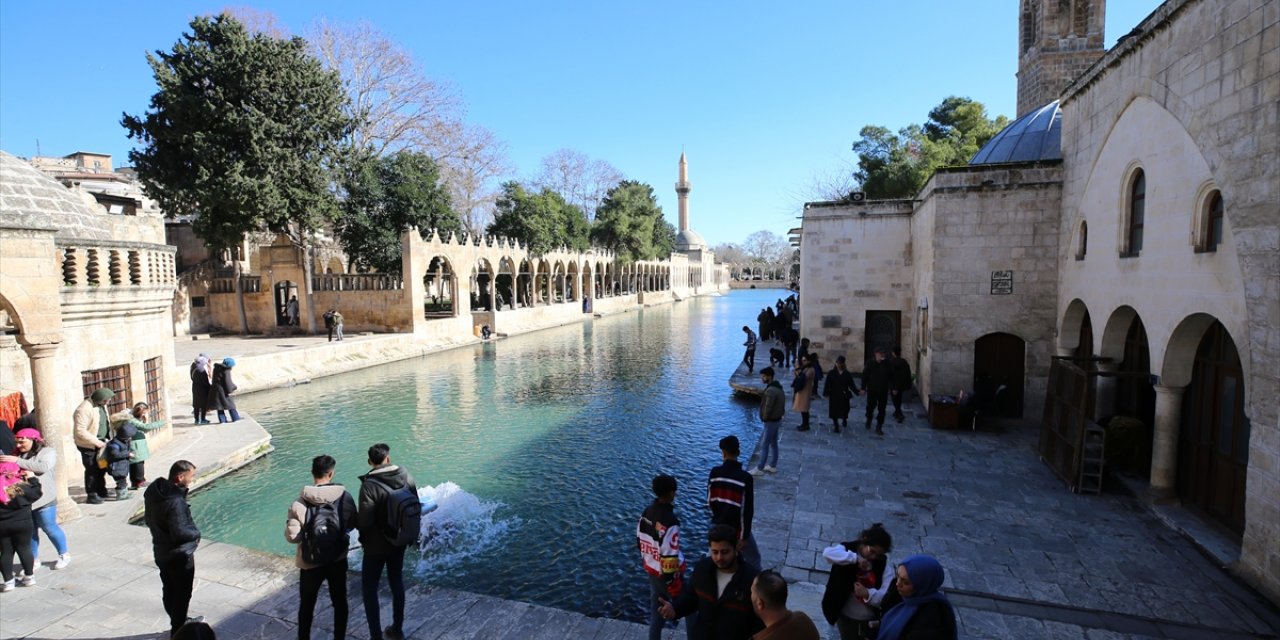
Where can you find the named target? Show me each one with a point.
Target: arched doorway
(999, 372)
(1213, 443)
(439, 290)
(284, 291)
(883, 331)
(1135, 396)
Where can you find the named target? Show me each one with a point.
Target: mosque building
(1114, 251)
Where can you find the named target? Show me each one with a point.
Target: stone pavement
(1025, 557)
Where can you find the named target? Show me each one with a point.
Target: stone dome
(1034, 137)
(689, 240)
(29, 198)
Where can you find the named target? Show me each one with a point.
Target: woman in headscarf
(840, 388)
(33, 456)
(201, 379)
(220, 391)
(16, 496)
(924, 613)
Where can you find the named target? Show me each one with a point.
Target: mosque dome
(689, 240)
(29, 198)
(1034, 137)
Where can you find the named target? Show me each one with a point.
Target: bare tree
(258, 21)
(730, 253)
(582, 182)
(766, 246)
(395, 105)
(473, 173)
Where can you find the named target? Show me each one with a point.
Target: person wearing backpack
(319, 522)
(389, 520)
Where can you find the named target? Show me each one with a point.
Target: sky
(761, 96)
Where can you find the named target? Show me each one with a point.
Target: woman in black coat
(200, 388)
(839, 389)
(16, 524)
(221, 389)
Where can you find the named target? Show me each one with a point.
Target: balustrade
(115, 264)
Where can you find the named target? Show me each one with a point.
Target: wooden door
(1213, 447)
(883, 331)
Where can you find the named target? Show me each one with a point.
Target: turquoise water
(540, 447)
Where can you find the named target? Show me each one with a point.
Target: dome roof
(689, 240)
(1033, 137)
(29, 198)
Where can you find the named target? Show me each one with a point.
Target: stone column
(54, 417)
(1164, 447)
(1104, 398)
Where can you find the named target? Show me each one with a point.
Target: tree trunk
(308, 268)
(244, 317)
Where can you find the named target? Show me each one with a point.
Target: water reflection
(560, 430)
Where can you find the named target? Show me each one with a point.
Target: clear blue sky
(761, 95)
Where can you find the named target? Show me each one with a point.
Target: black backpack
(324, 538)
(404, 516)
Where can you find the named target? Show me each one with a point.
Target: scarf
(9, 475)
(926, 578)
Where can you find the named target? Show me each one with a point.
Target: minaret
(683, 187)
(687, 239)
(1057, 42)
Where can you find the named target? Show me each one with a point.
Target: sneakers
(7, 586)
(757, 472)
(141, 485)
(27, 580)
(122, 493)
(63, 560)
(770, 469)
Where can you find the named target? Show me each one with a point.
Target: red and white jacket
(658, 537)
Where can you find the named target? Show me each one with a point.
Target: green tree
(241, 134)
(541, 221)
(385, 196)
(630, 223)
(897, 165)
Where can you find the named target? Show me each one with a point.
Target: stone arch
(572, 286)
(482, 280)
(542, 283)
(1000, 370)
(505, 284)
(588, 280)
(334, 266)
(440, 289)
(1115, 332)
(1180, 352)
(1073, 320)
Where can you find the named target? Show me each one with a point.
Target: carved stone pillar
(54, 416)
(1164, 447)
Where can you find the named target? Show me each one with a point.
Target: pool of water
(540, 449)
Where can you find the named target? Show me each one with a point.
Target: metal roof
(1034, 137)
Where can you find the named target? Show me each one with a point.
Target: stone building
(86, 293)
(1124, 234)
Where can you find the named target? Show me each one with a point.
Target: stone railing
(356, 282)
(249, 284)
(107, 263)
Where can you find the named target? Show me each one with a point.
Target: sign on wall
(1001, 282)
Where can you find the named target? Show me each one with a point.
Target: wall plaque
(1001, 282)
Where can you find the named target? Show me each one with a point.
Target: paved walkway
(1025, 557)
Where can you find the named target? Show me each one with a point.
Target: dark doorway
(1135, 397)
(1213, 443)
(284, 291)
(883, 331)
(999, 371)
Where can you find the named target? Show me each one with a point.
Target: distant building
(1112, 252)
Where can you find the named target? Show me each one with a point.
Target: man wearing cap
(731, 497)
(90, 429)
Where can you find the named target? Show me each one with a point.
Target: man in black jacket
(174, 538)
(900, 379)
(731, 498)
(876, 378)
(721, 593)
(375, 489)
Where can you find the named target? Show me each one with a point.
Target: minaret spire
(683, 187)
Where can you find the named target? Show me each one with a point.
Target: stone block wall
(854, 258)
(1212, 68)
(980, 220)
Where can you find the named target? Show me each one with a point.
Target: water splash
(460, 526)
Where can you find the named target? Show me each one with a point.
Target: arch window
(1082, 240)
(1137, 210)
(1211, 231)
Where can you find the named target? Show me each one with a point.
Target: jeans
(335, 573)
(46, 519)
(658, 589)
(177, 577)
(95, 479)
(338, 330)
(751, 551)
(222, 416)
(370, 575)
(750, 358)
(770, 439)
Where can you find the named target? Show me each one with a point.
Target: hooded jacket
(174, 535)
(375, 486)
(317, 495)
(45, 465)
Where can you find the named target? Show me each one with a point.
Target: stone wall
(1192, 99)
(854, 258)
(975, 221)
